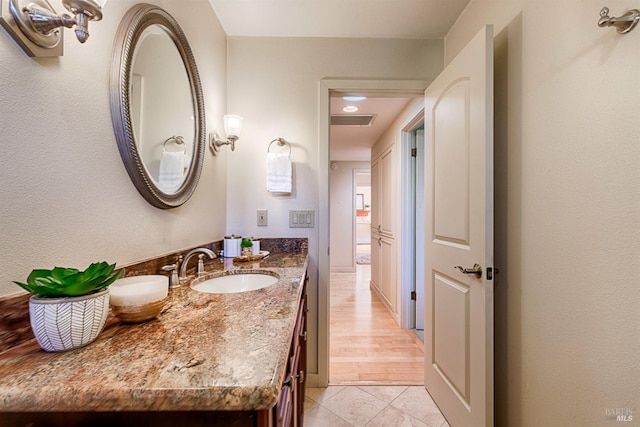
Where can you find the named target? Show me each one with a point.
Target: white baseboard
(343, 269)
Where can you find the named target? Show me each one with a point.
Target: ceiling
(338, 18)
(344, 18)
(353, 143)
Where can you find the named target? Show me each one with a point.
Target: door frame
(407, 258)
(325, 87)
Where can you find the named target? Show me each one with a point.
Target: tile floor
(371, 406)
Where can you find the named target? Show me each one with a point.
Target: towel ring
(281, 143)
(177, 139)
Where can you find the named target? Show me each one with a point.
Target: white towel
(278, 173)
(171, 173)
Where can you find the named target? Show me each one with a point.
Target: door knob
(476, 270)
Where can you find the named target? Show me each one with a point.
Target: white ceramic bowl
(138, 298)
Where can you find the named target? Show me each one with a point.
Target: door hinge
(413, 296)
(414, 152)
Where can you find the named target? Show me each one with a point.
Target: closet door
(383, 242)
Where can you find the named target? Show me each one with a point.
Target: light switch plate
(262, 218)
(302, 219)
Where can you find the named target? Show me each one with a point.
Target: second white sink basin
(233, 283)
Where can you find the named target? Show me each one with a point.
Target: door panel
(459, 232)
(451, 160)
(450, 334)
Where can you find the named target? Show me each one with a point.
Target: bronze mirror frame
(134, 22)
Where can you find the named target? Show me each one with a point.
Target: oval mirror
(157, 106)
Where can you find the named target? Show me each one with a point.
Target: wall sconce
(34, 24)
(232, 127)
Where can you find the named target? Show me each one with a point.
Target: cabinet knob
(287, 381)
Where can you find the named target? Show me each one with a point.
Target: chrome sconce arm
(45, 20)
(232, 126)
(34, 24)
(215, 142)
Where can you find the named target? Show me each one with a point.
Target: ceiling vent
(352, 119)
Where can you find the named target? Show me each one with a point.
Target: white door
(459, 232)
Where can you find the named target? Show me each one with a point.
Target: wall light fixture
(232, 127)
(34, 24)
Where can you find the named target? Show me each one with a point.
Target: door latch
(476, 270)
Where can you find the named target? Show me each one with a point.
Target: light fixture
(354, 98)
(350, 109)
(232, 127)
(34, 24)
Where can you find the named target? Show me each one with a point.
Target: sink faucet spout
(189, 255)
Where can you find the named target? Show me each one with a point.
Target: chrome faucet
(187, 257)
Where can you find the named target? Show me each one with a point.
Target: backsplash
(14, 321)
(15, 328)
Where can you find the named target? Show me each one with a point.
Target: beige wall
(567, 210)
(342, 232)
(274, 83)
(66, 198)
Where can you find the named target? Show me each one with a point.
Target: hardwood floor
(366, 345)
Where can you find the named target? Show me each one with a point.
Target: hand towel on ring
(278, 173)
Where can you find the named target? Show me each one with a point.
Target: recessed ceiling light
(350, 109)
(354, 98)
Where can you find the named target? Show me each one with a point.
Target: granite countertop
(203, 352)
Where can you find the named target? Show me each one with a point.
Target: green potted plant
(246, 245)
(69, 307)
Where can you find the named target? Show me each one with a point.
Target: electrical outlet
(262, 217)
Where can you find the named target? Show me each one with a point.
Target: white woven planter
(66, 323)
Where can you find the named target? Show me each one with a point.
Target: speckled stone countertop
(203, 352)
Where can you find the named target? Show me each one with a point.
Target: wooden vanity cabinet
(289, 412)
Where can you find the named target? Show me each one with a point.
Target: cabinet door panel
(375, 199)
(388, 273)
(387, 193)
(375, 261)
(284, 408)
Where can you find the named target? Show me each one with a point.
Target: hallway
(376, 368)
(367, 346)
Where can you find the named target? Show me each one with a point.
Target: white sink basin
(233, 283)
